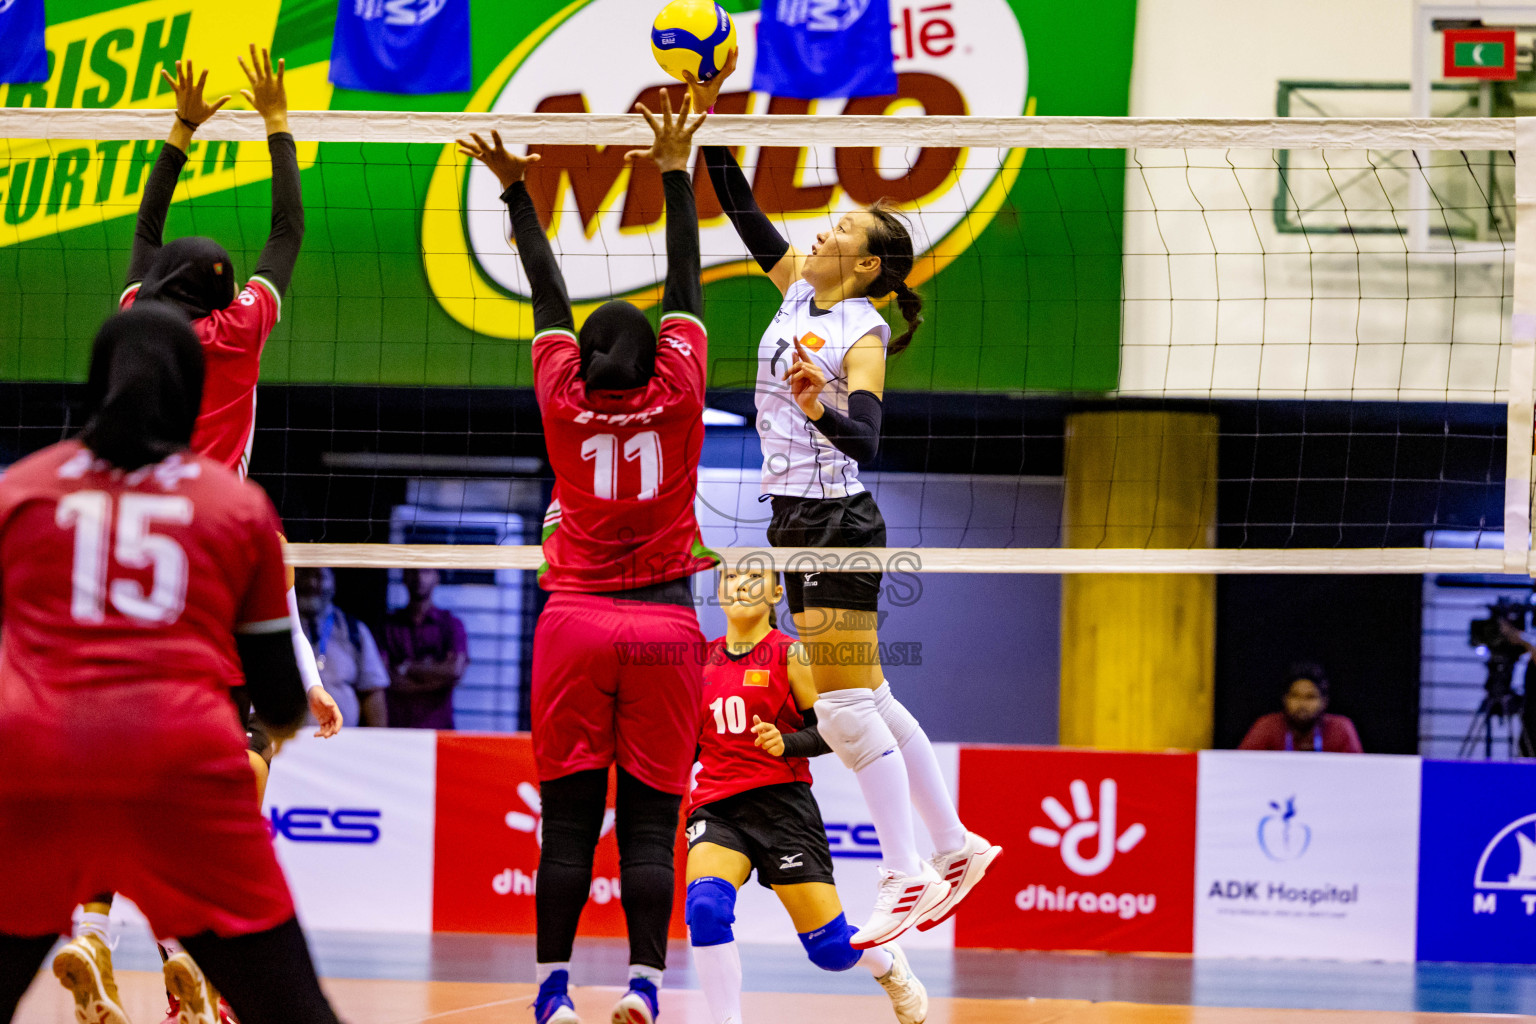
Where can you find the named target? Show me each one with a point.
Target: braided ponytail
(889, 239)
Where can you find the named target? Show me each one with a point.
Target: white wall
(1219, 302)
(1216, 58)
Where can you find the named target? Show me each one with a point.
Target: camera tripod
(1504, 707)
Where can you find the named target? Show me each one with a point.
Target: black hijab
(192, 273)
(618, 348)
(145, 386)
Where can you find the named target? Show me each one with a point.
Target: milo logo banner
(407, 276)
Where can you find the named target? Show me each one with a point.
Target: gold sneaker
(84, 966)
(195, 994)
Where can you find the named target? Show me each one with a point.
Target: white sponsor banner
(855, 858)
(353, 824)
(1307, 855)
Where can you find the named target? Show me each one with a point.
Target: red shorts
(191, 869)
(617, 681)
(147, 791)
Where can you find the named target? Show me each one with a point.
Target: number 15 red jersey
(130, 586)
(626, 465)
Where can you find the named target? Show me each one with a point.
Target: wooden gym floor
(482, 979)
(377, 1001)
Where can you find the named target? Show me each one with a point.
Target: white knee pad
(850, 722)
(902, 723)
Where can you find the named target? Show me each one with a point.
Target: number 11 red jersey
(626, 466)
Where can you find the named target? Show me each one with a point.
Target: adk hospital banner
(406, 277)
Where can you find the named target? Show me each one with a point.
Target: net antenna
(1199, 193)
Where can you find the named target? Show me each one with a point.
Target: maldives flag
(810, 49)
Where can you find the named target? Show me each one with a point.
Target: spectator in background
(1304, 725)
(347, 657)
(427, 654)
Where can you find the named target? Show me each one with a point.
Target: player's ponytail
(889, 239)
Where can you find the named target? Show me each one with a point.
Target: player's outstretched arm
(551, 305)
(684, 293)
(191, 111)
(269, 97)
(763, 240)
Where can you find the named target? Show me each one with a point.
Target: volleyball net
(1283, 345)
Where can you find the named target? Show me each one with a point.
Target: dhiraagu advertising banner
(407, 278)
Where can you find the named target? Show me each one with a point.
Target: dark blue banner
(401, 46)
(23, 57)
(810, 49)
(1477, 862)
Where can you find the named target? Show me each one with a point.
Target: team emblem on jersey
(814, 342)
(755, 677)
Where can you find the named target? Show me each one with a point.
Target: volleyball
(694, 36)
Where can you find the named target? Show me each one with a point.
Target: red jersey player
(752, 809)
(196, 276)
(139, 582)
(623, 420)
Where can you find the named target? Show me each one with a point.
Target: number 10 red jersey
(626, 465)
(736, 689)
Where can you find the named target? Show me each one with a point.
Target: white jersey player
(821, 374)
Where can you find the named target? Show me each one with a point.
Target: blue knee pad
(829, 948)
(710, 910)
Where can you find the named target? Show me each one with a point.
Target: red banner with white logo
(487, 843)
(1098, 849)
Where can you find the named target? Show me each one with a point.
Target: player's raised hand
(191, 107)
(674, 139)
(509, 168)
(806, 381)
(267, 94)
(323, 706)
(768, 737)
(704, 94)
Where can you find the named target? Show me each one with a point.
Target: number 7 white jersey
(797, 459)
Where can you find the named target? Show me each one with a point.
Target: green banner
(407, 279)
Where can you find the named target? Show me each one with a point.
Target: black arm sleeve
(281, 252)
(856, 435)
(806, 741)
(764, 242)
(684, 293)
(272, 679)
(149, 234)
(551, 305)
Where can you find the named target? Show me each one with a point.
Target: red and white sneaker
(84, 966)
(962, 869)
(903, 901)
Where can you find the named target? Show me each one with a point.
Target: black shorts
(852, 522)
(777, 828)
(257, 741)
